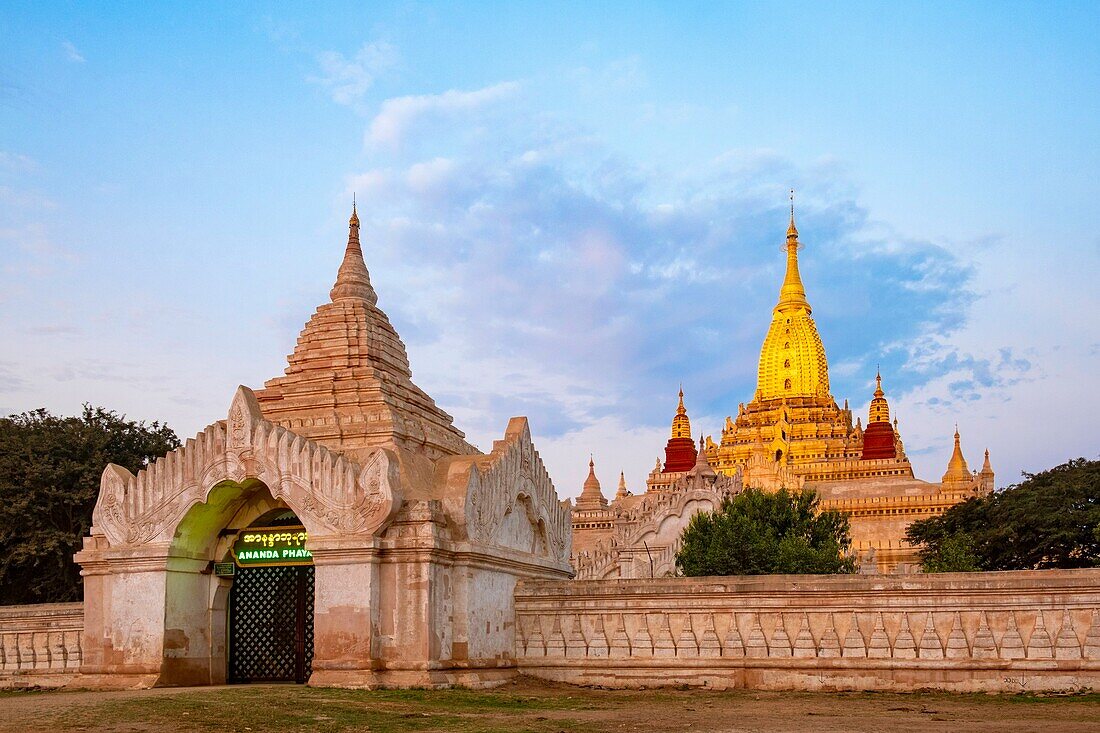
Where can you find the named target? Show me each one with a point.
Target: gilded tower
(792, 360)
(792, 414)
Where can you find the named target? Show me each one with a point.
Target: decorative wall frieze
(998, 631)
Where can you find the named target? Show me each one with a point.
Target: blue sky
(567, 209)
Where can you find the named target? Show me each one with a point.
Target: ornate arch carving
(484, 491)
(330, 493)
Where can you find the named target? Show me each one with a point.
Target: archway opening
(202, 573)
(270, 623)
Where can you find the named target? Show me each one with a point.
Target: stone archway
(154, 611)
(196, 598)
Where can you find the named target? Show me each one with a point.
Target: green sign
(260, 546)
(224, 569)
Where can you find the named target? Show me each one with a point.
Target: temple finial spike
(792, 230)
(352, 279)
(792, 293)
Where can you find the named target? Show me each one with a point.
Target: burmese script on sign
(272, 547)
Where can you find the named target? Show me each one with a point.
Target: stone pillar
(346, 611)
(124, 612)
(189, 626)
(416, 601)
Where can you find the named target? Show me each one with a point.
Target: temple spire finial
(957, 471)
(622, 491)
(353, 280)
(792, 294)
(591, 495)
(792, 230)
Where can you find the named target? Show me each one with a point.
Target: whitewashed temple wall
(965, 632)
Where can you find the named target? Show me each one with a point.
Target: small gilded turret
(681, 425)
(957, 475)
(680, 449)
(878, 439)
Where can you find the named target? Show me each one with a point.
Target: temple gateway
(791, 434)
(335, 527)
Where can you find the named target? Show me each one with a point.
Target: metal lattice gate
(271, 624)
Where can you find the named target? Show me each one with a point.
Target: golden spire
(353, 280)
(792, 230)
(681, 425)
(957, 470)
(792, 358)
(792, 294)
(880, 408)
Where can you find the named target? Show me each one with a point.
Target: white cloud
(539, 277)
(72, 53)
(28, 249)
(399, 114)
(533, 271)
(348, 79)
(16, 163)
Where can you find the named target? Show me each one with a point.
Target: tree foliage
(757, 532)
(1048, 520)
(50, 468)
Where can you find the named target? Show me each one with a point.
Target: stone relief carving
(942, 635)
(514, 474)
(328, 491)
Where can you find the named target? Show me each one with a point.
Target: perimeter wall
(40, 645)
(1003, 632)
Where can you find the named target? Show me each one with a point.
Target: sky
(568, 210)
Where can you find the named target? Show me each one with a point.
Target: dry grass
(534, 706)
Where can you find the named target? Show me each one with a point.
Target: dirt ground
(528, 705)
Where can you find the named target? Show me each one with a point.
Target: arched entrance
(270, 625)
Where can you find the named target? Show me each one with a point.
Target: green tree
(757, 532)
(955, 554)
(1049, 520)
(49, 479)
